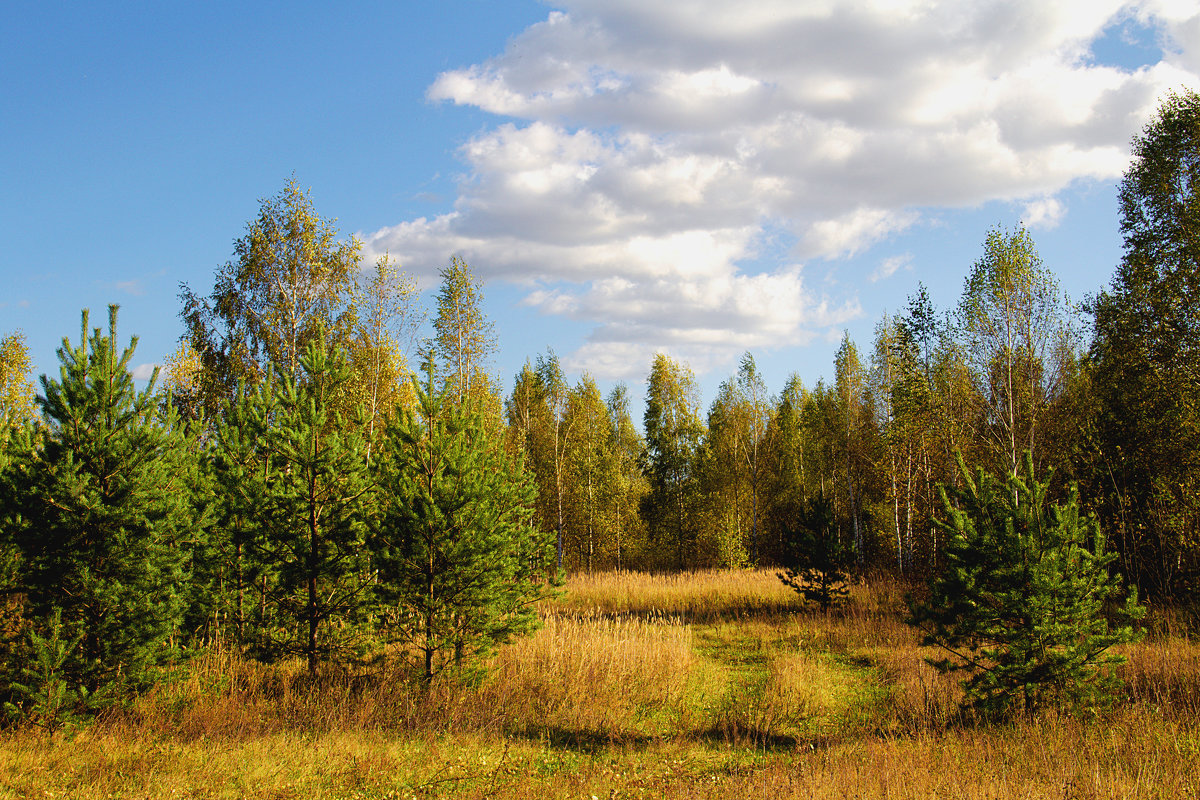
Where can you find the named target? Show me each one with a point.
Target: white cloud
(856, 231)
(143, 372)
(706, 320)
(655, 144)
(1045, 212)
(890, 265)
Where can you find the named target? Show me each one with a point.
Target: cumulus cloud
(656, 144)
(1044, 212)
(143, 372)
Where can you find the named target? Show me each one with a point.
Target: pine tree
(16, 449)
(308, 510)
(101, 511)
(815, 561)
(460, 561)
(239, 466)
(1020, 602)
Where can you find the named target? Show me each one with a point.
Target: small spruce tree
(815, 560)
(1021, 600)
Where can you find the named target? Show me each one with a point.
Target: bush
(1020, 602)
(815, 558)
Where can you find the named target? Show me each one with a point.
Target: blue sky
(698, 177)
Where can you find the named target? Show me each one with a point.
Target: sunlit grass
(693, 596)
(707, 685)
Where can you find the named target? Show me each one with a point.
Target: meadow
(696, 685)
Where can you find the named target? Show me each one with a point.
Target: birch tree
(16, 390)
(466, 339)
(291, 277)
(673, 436)
(1014, 331)
(387, 322)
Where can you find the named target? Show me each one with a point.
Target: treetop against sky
(702, 178)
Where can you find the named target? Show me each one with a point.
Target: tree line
(1103, 394)
(295, 488)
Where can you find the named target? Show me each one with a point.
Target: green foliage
(554, 394)
(1021, 600)
(460, 563)
(625, 446)
(306, 508)
(591, 474)
(101, 512)
(814, 557)
(44, 693)
(291, 280)
(1014, 333)
(674, 433)
(465, 337)
(784, 466)
(1145, 359)
(732, 464)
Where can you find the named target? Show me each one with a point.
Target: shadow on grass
(748, 737)
(584, 741)
(593, 742)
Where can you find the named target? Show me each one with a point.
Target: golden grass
(1134, 755)
(705, 685)
(1164, 674)
(595, 676)
(694, 596)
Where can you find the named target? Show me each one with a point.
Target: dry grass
(706, 685)
(595, 677)
(1164, 674)
(693, 596)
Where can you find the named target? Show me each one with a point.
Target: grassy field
(706, 685)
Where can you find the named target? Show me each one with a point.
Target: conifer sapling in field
(100, 511)
(306, 506)
(1020, 603)
(815, 558)
(460, 562)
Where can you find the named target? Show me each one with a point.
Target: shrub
(816, 559)
(1020, 602)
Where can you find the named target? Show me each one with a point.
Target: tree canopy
(1145, 357)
